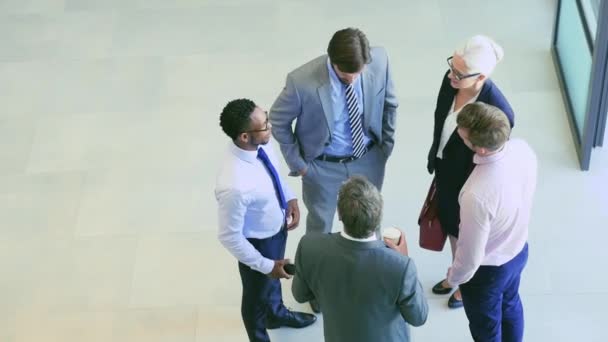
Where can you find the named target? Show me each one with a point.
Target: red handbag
(432, 237)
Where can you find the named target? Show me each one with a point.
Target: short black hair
(349, 50)
(236, 117)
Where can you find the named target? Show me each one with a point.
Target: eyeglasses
(267, 126)
(458, 76)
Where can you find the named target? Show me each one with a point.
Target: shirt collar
(332, 73)
(480, 160)
(335, 82)
(244, 155)
(367, 239)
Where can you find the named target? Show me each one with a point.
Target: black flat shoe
(292, 319)
(454, 303)
(440, 290)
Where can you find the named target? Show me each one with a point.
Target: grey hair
(360, 207)
(480, 54)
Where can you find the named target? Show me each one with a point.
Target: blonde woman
(466, 81)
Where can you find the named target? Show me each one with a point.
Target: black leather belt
(344, 159)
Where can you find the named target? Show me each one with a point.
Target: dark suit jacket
(457, 162)
(367, 291)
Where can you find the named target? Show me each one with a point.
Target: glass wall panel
(591, 12)
(575, 59)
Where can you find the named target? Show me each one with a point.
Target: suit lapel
(368, 86)
(485, 91)
(324, 92)
(446, 94)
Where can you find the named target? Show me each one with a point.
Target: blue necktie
(274, 176)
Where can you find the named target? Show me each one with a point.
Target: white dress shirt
(449, 125)
(247, 205)
(495, 205)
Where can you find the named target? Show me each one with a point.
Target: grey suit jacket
(367, 291)
(306, 97)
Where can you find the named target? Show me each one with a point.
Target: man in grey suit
(368, 292)
(344, 106)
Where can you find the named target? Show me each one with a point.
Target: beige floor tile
(157, 325)
(50, 326)
(220, 324)
(29, 7)
(86, 274)
(21, 262)
(7, 325)
(119, 202)
(62, 144)
(184, 269)
(15, 144)
(77, 6)
(76, 86)
(55, 35)
(39, 205)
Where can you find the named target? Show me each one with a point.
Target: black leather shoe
(315, 306)
(439, 289)
(292, 319)
(454, 303)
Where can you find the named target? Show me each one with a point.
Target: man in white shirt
(256, 209)
(495, 205)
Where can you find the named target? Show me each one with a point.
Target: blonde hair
(487, 126)
(480, 54)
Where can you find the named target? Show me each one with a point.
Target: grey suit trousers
(323, 179)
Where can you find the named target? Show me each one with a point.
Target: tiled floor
(109, 140)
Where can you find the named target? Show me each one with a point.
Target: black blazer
(457, 157)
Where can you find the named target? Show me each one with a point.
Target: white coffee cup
(392, 233)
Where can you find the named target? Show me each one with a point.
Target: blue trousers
(262, 294)
(491, 301)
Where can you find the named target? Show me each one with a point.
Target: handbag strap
(429, 197)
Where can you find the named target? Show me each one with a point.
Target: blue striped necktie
(354, 118)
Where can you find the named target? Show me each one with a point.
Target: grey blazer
(367, 291)
(306, 97)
